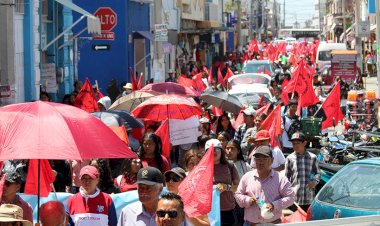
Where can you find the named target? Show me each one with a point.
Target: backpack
(294, 127)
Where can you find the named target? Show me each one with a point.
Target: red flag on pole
(163, 133)
(229, 74)
(85, 99)
(183, 80)
(210, 78)
(205, 69)
(139, 83)
(261, 102)
(273, 124)
(308, 98)
(196, 189)
(220, 77)
(263, 109)
(239, 120)
(47, 177)
(331, 106)
(198, 83)
(133, 79)
(267, 72)
(216, 111)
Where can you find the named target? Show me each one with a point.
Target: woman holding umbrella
(150, 153)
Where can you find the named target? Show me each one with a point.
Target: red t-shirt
(153, 163)
(125, 183)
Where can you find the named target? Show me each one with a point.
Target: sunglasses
(175, 178)
(171, 214)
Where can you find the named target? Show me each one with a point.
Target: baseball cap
(12, 175)
(92, 171)
(249, 111)
(263, 150)
(204, 120)
(178, 171)
(298, 136)
(214, 142)
(149, 176)
(262, 135)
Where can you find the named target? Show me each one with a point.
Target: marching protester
(301, 168)
(150, 153)
(289, 125)
(53, 213)
(12, 215)
(249, 122)
(149, 186)
(127, 179)
(13, 180)
(265, 188)
(170, 210)
(90, 206)
(224, 124)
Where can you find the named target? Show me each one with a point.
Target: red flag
(198, 83)
(331, 106)
(263, 109)
(100, 95)
(220, 77)
(133, 79)
(163, 133)
(239, 120)
(273, 124)
(85, 99)
(196, 189)
(258, 70)
(308, 98)
(261, 102)
(205, 69)
(210, 78)
(298, 216)
(267, 72)
(183, 80)
(47, 177)
(285, 91)
(139, 83)
(229, 74)
(216, 111)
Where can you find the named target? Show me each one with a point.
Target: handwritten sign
(184, 131)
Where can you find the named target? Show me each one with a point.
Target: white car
(250, 87)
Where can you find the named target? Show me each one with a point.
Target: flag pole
(39, 188)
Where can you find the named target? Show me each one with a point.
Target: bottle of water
(259, 202)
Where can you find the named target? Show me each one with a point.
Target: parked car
(353, 191)
(250, 88)
(258, 66)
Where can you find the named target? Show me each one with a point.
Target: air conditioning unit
(211, 12)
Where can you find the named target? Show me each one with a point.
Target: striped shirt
(275, 189)
(300, 170)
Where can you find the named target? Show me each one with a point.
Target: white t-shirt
(278, 159)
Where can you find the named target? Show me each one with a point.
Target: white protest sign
(184, 131)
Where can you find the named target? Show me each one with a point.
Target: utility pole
(377, 45)
(238, 27)
(251, 16)
(358, 40)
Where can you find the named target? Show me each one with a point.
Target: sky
(301, 10)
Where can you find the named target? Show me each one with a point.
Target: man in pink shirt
(263, 185)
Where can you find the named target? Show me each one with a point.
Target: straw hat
(12, 213)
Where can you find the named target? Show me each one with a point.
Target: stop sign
(107, 17)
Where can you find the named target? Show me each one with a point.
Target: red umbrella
(170, 88)
(167, 106)
(45, 130)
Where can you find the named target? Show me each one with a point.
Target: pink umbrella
(167, 106)
(45, 130)
(170, 88)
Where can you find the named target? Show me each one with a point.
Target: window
(19, 6)
(324, 55)
(357, 186)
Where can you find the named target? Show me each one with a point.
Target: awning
(146, 34)
(93, 23)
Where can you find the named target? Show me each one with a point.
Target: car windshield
(250, 79)
(356, 186)
(258, 68)
(324, 55)
(252, 99)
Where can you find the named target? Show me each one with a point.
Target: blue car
(353, 191)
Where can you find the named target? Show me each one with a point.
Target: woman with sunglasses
(173, 179)
(128, 175)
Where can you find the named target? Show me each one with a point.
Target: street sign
(160, 33)
(108, 21)
(100, 47)
(363, 29)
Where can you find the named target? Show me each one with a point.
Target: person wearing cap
(205, 127)
(286, 123)
(172, 77)
(226, 179)
(302, 170)
(127, 89)
(262, 138)
(249, 122)
(90, 206)
(12, 215)
(12, 185)
(170, 210)
(264, 184)
(143, 212)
